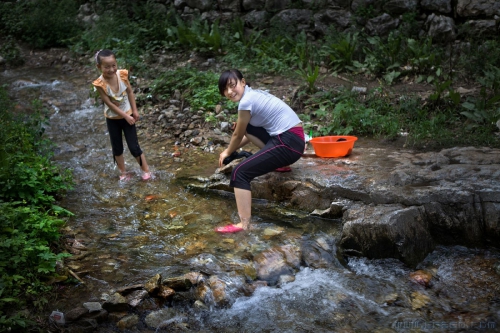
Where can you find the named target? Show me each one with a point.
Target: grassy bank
(142, 31)
(30, 221)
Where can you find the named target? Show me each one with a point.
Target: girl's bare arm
(105, 98)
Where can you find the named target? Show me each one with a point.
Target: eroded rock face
(395, 203)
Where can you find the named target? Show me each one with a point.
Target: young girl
(120, 111)
(270, 124)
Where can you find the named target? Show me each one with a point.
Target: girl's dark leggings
(119, 127)
(279, 151)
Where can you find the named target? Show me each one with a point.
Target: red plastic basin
(333, 146)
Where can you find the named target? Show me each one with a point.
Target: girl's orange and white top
(119, 98)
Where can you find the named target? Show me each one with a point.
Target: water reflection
(133, 230)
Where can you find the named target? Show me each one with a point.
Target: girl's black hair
(103, 53)
(231, 74)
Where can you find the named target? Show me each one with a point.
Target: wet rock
(386, 231)
(128, 322)
(199, 305)
(75, 314)
(136, 297)
(284, 279)
(421, 277)
(116, 303)
(99, 316)
(128, 289)
(218, 288)
(202, 292)
(250, 271)
(419, 300)
(395, 203)
(153, 285)
(274, 262)
(117, 316)
(194, 277)
(390, 298)
(92, 306)
(249, 288)
(166, 292)
(84, 326)
(272, 232)
(320, 253)
(156, 318)
(180, 283)
(496, 268)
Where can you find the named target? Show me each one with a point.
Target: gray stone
(257, 19)
(441, 28)
(295, 19)
(202, 5)
(277, 5)
(387, 231)
(156, 318)
(441, 6)
(398, 7)
(116, 303)
(381, 25)
(468, 8)
(254, 4)
(230, 5)
(480, 28)
(92, 306)
(128, 322)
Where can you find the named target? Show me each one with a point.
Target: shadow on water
(134, 229)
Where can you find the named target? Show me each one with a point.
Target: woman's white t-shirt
(268, 111)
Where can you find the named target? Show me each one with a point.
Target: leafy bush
(29, 218)
(11, 52)
(198, 89)
(41, 23)
(340, 50)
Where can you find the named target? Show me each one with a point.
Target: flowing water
(135, 229)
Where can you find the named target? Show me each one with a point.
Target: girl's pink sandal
(283, 169)
(228, 229)
(125, 177)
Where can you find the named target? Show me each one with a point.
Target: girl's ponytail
(103, 53)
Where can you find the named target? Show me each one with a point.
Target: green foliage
(29, 219)
(11, 52)
(347, 113)
(485, 109)
(41, 23)
(198, 89)
(340, 50)
(366, 12)
(310, 75)
(196, 35)
(477, 55)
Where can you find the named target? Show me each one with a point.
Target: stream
(135, 229)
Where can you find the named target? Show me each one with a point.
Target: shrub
(29, 218)
(41, 23)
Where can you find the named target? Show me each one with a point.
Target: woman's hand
(222, 156)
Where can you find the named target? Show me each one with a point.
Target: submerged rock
(394, 203)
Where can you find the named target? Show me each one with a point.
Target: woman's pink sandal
(228, 229)
(283, 169)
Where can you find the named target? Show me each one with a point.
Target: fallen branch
(75, 276)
